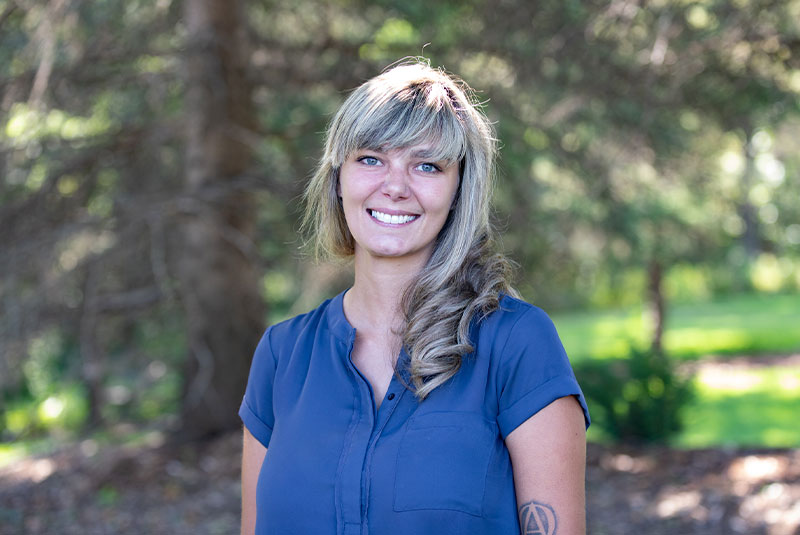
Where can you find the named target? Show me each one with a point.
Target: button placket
(349, 479)
(384, 415)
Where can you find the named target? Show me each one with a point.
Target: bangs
(419, 114)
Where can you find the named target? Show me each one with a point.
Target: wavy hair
(407, 105)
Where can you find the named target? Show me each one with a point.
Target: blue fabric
(336, 465)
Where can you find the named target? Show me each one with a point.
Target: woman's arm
(253, 453)
(548, 456)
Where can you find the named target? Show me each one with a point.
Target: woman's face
(396, 201)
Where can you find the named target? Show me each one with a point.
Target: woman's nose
(395, 183)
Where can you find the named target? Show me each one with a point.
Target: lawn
(744, 406)
(735, 404)
(745, 324)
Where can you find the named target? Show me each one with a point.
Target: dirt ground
(153, 489)
(195, 490)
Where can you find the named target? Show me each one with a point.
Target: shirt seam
(503, 350)
(268, 336)
(511, 330)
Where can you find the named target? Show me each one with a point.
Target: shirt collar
(341, 329)
(337, 322)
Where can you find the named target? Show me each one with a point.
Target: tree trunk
(92, 363)
(750, 236)
(656, 305)
(218, 280)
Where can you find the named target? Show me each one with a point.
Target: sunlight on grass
(714, 383)
(692, 340)
(744, 407)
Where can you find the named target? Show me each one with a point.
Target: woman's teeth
(392, 219)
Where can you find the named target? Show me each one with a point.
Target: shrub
(636, 399)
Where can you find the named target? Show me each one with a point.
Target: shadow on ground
(195, 490)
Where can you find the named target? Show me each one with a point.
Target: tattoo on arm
(537, 518)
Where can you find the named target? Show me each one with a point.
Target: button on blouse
(337, 465)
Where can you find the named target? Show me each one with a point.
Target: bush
(636, 399)
(66, 409)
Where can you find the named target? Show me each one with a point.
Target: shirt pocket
(442, 462)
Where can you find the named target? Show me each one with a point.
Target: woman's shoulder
(516, 324)
(289, 331)
(514, 313)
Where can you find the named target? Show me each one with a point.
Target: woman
(426, 398)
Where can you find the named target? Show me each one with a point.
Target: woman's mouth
(390, 219)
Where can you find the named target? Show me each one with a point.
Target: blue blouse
(336, 465)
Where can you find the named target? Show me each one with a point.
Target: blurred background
(152, 158)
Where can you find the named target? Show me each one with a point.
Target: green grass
(744, 407)
(746, 324)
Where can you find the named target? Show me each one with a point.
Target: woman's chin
(393, 251)
(389, 253)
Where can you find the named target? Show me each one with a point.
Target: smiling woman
(427, 398)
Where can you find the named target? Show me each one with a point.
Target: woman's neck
(374, 301)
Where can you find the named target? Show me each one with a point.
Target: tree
(152, 155)
(218, 279)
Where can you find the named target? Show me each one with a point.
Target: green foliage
(17, 418)
(107, 496)
(629, 134)
(65, 409)
(49, 399)
(687, 283)
(52, 399)
(45, 364)
(772, 274)
(637, 399)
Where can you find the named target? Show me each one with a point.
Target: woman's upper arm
(548, 456)
(253, 453)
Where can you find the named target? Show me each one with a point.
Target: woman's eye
(428, 168)
(369, 160)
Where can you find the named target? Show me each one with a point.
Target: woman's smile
(390, 219)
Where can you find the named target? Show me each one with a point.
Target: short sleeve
(533, 372)
(256, 409)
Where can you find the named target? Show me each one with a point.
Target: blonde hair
(407, 105)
